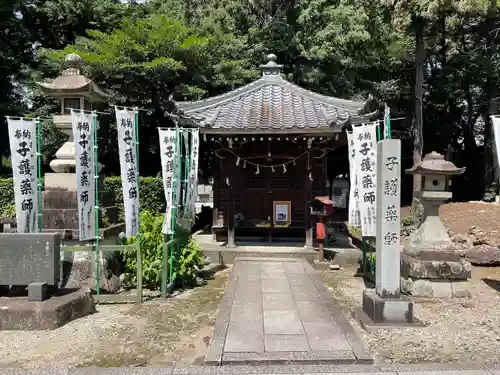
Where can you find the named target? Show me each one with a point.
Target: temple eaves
(271, 104)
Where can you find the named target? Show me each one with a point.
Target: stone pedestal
(60, 214)
(430, 265)
(438, 274)
(378, 312)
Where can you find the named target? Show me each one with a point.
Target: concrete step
(226, 255)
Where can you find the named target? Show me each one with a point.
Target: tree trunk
(490, 90)
(418, 137)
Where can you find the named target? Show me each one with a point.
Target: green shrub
(187, 259)
(491, 193)
(151, 193)
(6, 193)
(354, 232)
(8, 211)
(152, 240)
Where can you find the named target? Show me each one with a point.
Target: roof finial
(74, 63)
(271, 68)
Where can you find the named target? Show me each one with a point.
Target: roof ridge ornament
(73, 62)
(271, 68)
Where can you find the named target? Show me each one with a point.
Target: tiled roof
(272, 104)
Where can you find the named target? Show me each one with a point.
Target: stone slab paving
(276, 311)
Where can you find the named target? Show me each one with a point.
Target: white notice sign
(23, 140)
(389, 211)
(354, 216)
(125, 123)
(83, 128)
(192, 183)
(365, 153)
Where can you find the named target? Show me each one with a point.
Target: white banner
(169, 146)
(83, 127)
(23, 140)
(185, 138)
(125, 123)
(354, 218)
(495, 121)
(387, 120)
(365, 149)
(192, 185)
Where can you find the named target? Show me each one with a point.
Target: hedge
(150, 193)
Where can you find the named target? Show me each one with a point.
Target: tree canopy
(435, 63)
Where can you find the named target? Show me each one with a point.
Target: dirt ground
(459, 330)
(459, 217)
(158, 332)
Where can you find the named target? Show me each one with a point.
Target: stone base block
(321, 266)
(378, 312)
(412, 267)
(435, 288)
(18, 313)
(38, 291)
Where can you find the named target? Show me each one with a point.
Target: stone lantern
(430, 266)
(60, 206)
(73, 90)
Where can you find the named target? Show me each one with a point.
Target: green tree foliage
(147, 60)
(435, 63)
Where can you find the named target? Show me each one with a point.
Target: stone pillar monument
(430, 265)
(384, 306)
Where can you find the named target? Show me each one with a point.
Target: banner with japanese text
(192, 183)
(169, 153)
(354, 217)
(126, 127)
(23, 149)
(83, 128)
(365, 154)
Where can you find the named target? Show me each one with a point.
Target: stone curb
(403, 369)
(360, 350)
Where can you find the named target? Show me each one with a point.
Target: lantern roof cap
(71, 82)
(435, 163)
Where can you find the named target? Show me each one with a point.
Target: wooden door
(255, 196)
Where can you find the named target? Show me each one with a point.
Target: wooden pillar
(309, 229)
(216, 193)
(230, 219)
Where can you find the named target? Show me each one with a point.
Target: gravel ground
(459, 217)
(158, 332)
(459, 330)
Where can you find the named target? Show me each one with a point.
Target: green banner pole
(96, 209)
(39, 174)
(174, 199)
(138, 179)
(388, 123)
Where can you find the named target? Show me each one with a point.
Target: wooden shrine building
(270, 140)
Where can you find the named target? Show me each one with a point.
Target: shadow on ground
(493, 284)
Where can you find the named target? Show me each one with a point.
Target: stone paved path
(277, 311)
